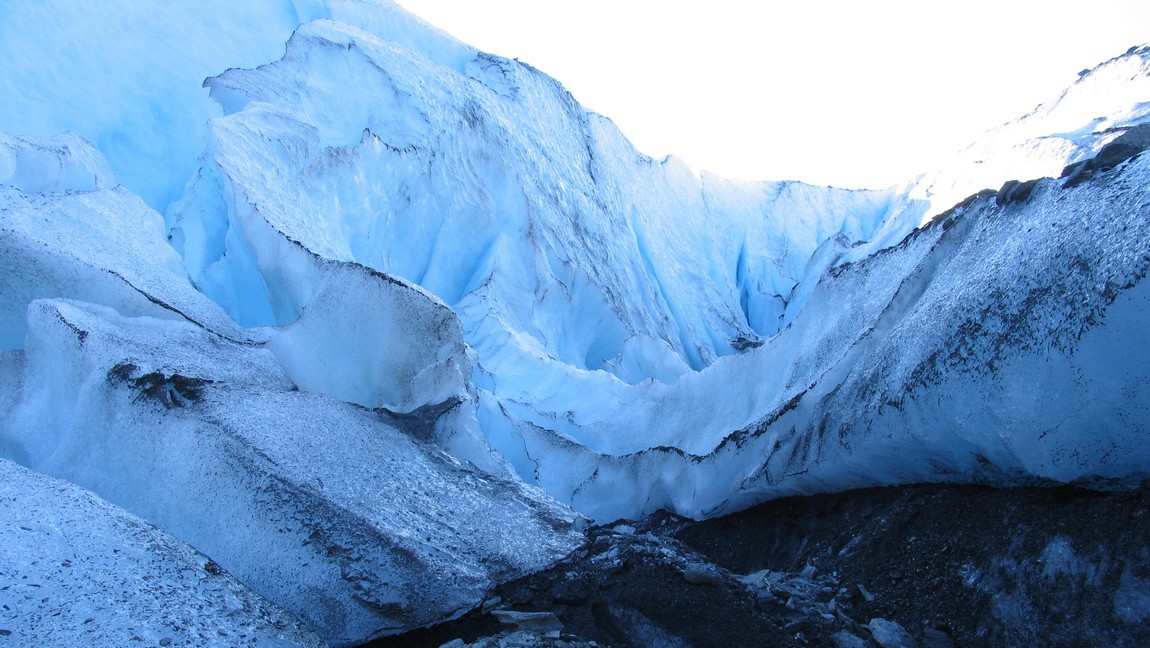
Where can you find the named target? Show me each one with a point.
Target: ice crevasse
(633, 322)
(130, 383)
(586, 275)
(389, 305)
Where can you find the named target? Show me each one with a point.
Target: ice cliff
(131, 384)
(358, 311)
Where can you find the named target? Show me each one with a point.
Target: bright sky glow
(842, 92)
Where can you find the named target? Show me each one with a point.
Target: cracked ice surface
(125, 380)
(428, 248)
(587, 277)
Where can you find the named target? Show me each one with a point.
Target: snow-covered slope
(80, 572)
(1072, 127)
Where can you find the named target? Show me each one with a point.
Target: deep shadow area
(925, 565)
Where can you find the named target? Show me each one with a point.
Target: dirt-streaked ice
(319, 298)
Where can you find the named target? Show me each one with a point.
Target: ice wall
(638, 329)
(1001, 344)
(443, 239)
(578, 267)
(307, 460)
(498, 179)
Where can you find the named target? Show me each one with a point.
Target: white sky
(855, 93)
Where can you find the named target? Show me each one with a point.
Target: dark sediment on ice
(926, 565)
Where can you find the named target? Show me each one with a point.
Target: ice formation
(363, 288)
(605, 294)
(1072, 127)
(81, 572)
(308, 461)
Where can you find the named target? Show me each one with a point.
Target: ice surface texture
(383, 253)
(81, 572)
(565, 252)
(302, 459)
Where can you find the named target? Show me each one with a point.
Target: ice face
(585, 275)
(605, 294)
(307, 460)
(430, 252)
(580, 270)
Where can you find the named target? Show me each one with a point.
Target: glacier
(73, 565)
(639, 300)
(1072, 127)
(476, 199)
(146, 393)
(377, 320)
